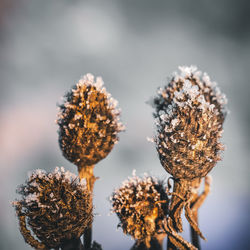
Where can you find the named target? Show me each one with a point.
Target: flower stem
(88, 237)
(194, 236)
(73, 244)
(87, 173)
(155, 244)
(170, 245)
(179, 196)
(196, 202)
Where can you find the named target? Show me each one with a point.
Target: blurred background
(46, 46)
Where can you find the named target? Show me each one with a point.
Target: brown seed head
(88, 122)
(141, 204)
(189, 116)
(205, 87)
(55, 206)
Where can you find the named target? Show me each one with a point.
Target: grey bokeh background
(46, 46)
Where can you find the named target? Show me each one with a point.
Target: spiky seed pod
(189, 116)
(55, 206)
(141, 204)
(88, 122)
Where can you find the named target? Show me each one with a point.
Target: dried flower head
(201, 83)
(141, 204)
(88, 122)
(189, 114)
(55, 206)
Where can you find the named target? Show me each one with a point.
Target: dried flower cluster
(189, 113)
(88, 122)
(55, 206)
(141, 205)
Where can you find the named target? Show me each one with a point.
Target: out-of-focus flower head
(141, 204)
(54, 206)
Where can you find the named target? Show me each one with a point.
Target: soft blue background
(47, 45)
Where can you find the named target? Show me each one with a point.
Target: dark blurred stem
(73, 244)
(195, 239)
(170, 245)
(155, 244)
(87, 240)
(194, 236)
(87, 172)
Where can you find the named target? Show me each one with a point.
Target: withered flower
(54, 208)
(88, 129)
(189, 115)
(88, 122)
(141, 204)
(206, 87)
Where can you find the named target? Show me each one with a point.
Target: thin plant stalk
(177, 205)
(175, 241)
(196, 203)
(170, 245)
(195, 239)
(74, 244)
(87, 173)
(155, 244)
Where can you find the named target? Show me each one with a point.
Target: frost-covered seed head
(189, 114)
(141, 204)
(186, 85)
(55, 206)
(88, 122)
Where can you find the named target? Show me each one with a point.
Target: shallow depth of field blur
(46, 46)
